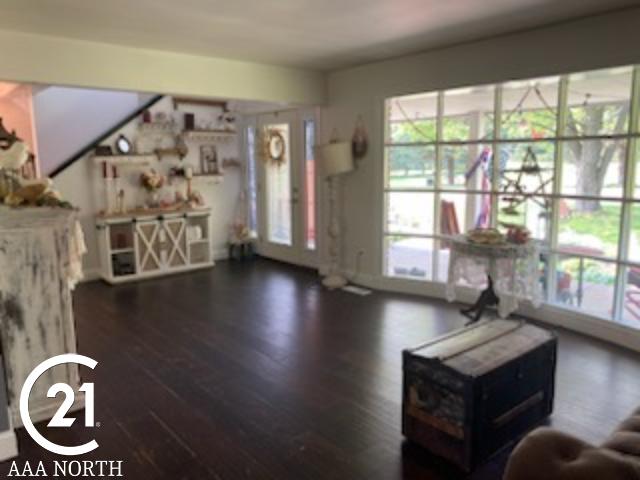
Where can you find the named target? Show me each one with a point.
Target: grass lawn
(604, 224)
(413, 180)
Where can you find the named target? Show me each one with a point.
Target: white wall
(63, 61)
(82, 185)
(68, 119)
(590, 43)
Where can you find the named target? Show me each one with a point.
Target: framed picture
(123, 145)
(209, 159)
(103, 150)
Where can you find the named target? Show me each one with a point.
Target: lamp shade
(337, 158)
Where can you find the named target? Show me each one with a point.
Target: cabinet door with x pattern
(148, 244)
(174, 240)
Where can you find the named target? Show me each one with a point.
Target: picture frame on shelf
(123, 145)
(103, 151)
(189, 121)
(209, 160)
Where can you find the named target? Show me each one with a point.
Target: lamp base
(334, 281)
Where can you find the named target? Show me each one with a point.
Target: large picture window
(557, 155)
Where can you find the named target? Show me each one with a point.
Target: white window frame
(631, 136)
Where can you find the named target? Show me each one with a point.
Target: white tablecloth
(514, 269)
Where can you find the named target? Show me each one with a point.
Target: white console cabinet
(149, 244)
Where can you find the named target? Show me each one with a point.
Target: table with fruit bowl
(507, 265)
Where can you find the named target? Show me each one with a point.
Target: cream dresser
(145, 244)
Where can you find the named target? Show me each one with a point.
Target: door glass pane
(310, 184)
(599, 102)
(278, 179)
(252, 191)
(409, 257)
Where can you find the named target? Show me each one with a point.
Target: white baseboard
(94, 273)
(45, 411)
(549, 314)
(91, 274)
(221, 254)
(8, 445)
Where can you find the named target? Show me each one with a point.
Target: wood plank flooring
(253, 371)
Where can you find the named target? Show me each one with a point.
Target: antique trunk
(469, 393)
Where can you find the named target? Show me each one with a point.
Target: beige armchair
(547, 454)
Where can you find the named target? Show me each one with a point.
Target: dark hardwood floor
(252, 370)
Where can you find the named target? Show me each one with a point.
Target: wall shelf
(157, 127)
(171, 152)
(210, 175)
(216, 177)
(136, 160)
(208, 135)
(223, 104)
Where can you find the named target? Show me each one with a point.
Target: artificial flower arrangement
(239, 232)
(152, 180)
(34, 193)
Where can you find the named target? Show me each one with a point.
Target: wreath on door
(274, 147)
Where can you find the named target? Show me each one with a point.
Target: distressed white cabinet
(133, 247)
(36, 314)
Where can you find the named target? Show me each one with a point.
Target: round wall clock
(123, 145)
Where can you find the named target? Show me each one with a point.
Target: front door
(286, 183)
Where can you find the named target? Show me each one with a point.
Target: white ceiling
(319, 34)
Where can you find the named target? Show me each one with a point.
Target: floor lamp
(337, 160)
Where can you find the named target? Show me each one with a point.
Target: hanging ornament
(359, 141)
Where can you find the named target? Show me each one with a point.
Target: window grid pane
(435, 144)
(409, 257)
